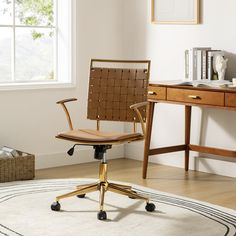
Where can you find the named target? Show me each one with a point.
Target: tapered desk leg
(188, 110)
(148, 137)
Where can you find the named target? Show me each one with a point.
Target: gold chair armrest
(136, 107)
(67, 100)
(62, 103)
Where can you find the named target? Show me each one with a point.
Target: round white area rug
(25, 211)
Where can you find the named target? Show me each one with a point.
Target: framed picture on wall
(175, 11)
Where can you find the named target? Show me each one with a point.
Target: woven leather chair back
(113, 90)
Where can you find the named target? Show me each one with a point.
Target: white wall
(165, 45)
(121, 29)
(30, 119)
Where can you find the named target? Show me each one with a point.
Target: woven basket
(21, 167)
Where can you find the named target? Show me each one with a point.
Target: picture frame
(175, 11)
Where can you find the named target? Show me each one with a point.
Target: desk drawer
(156, 93)
(195, 96)
(230, 100)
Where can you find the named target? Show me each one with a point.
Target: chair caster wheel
(133, 197)
(102, 215)
(56, 206)
(150, 207)
(81, 196)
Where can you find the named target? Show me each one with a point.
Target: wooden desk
(187, 96)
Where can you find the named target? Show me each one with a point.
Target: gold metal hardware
(102, 186)
(98, 124)
(135, 127)
(62, 103)
(194, 96)
(152, 93)
(103, 172)
(67, 116)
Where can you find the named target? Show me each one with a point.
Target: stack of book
(200, 63)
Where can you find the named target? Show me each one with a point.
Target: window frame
(71, 81)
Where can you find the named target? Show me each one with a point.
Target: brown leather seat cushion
(94, 136)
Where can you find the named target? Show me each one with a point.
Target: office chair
(116, 93)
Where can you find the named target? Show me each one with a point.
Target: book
(199, 64)
(190, 64)
(204, 53)
(195, 63)
(212, 84)
(199, 83)
(186, 61)
(204, 64)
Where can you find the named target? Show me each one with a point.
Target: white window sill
(36, 85)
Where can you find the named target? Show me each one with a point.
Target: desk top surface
(181, 85)
(161, 91)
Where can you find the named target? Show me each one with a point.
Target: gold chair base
(102, 186)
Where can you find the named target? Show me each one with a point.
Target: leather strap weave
(113, 90)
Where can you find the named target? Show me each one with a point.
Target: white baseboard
(80, 156)
(220, 166)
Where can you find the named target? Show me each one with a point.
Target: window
(35, 37)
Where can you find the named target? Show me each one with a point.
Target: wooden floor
(198, 185)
